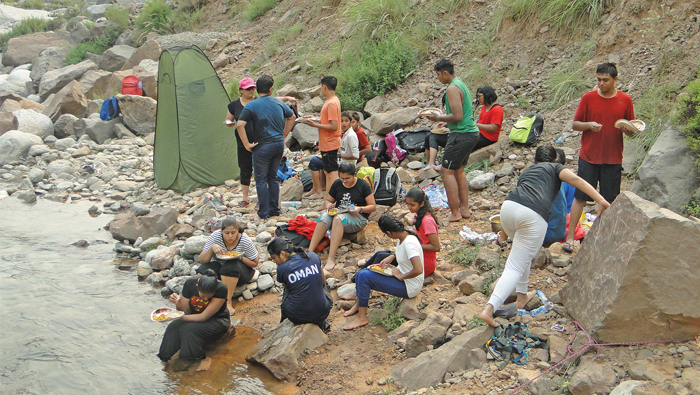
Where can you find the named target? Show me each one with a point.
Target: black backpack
(377, 155)
(387, 186)
(296, 238)
(307, 180)
(527, 130)
(413, 141)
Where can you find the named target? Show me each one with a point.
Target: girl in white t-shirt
(405, 281)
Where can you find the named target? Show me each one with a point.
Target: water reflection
(73, 323)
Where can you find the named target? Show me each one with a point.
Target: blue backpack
(110, 109)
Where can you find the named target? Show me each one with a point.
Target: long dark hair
(417, 195)
(391, 223)
(208, 282)
(279, 244)
(545, 153)
(490, 95)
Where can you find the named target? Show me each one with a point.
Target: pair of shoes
(216, 203)
(568, 247)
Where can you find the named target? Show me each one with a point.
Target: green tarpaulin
(193, 147)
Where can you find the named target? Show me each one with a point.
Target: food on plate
(333, 211)
(227, 122)
(438, 131)
(634, 125)
(165, 314)
(385, 271)
(430, 111)
(229, 254)
(311, 118)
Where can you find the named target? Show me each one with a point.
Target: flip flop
(568, 247)
(243, 203)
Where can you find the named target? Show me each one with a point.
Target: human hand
(594, 126)
(387, 261)
(217, 249)
(433, 117)
(354, 210)
(396, 273)
(174, 298)
(602, 205)
(250, 146)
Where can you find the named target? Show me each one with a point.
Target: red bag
(131, 85)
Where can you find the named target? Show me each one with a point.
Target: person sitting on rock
(206, 318)
(406, 280)
(490, 117)
(234, 269)
(524, 216)
(365, 146)
(349, 195)
(306, 299)
(425, 226)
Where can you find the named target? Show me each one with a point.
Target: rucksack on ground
(395, 153)
(378, 155)
(109, 109)
(131, 85)
(306, 180)
(387, 186)
(527, 130)
(367, 174)
(413, 141)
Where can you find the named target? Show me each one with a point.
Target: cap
(246, 83)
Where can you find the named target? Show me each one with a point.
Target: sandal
(568, 247)
(243, 203)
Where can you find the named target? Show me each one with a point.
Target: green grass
(476, 74)
(687, 115)
(187, 19)
(96, 46)
(390, 316)
(25, 26)
(564, 16)
(257, 8)
(464, 255)
(119, 15)
(693, 208)
(480, 165)
(568, 85)
(475, 322)
(33, 5)
(279, 38)
(156, 16)
(490, 278)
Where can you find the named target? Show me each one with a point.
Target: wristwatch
(361, 211)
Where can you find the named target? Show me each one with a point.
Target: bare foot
(352, 311)
(329, 265)
(466, 214)
(523, 299)
(437, 168)
(356, 324)
(204, 365)
(488, 317)
(231, 310)
(315, 196)
(454, 218)
(307, 194)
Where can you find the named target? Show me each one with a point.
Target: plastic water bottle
(290, 204)
(560, 140)
(541, 309)
(546, 302)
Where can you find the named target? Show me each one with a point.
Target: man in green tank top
(461, 141)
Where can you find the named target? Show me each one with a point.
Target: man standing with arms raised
(600, 157)
(272, 121)
(329, 131)
(461, 141)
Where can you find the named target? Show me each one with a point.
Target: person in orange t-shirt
(329, 131)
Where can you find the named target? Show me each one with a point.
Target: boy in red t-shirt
(600, 157)
(365, 147)
(329, 131)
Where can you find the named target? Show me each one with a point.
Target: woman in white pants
(524, 216)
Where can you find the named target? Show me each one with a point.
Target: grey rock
(180, 267)
(627, 387)
(668, 176)
(427, 333)
(291, 190)
(384, 123)
(505, 170)
(164, 258)
(247, 295)
(482, 181)
(63, 126)
(267, 267)
(26, 184)
(97, 11)
(19, 75)
(265, 282)
(114, 58)
(63, 186)
(96, 129)
(175, 284)
(69, 100)
(64, 144)
(26, 196)
(139, 209)
(38, 150)
(58, 167)
(263, 237)
(592, 377)
(139, 113)
(415, 165)
(49, 59)
(122, 132)
(187, 38)
(471, 284)
(99, 84)
(35, 175)
(128, 226)
(54, 80)
(34, 122)
(8, 121)
(280, 349)
(636, 251)
(15, 87)
(26, 48)
(80, 33)
(146, 56)
(144, 269)
(14, 145)
(151, 243)
(305, 135)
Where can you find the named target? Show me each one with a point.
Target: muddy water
(71, 322)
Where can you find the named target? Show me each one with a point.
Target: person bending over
(206, 318)
(355, 199)
(406, 280)
(306, 299)
(524, 216)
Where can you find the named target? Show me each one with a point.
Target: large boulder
(129, 227)
(623, 286)
(195, 244)
(149, 81)
(305, 135)
(291, 190)
(52, 81)
(164, 257)
(376, 105)
(429, 368)
(114, 58)
(8, 121)
(100, 84)
(33, 122)
(69, 100)
(63, 127)
(49, 59)
(97, 11)
(384, 123)
(149, 50)
(188, 38)
(9, 16)
(20, 75)
(98, 130)
(280, 349)
(16, 87)
(668, 176)
(432, 329)
(139, 113)
(593, 377)
(492, 153)
(80, 33)
(14, 145)
(26, 48)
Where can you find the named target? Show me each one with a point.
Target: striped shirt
(245, 244)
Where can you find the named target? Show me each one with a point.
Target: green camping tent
(193, 148)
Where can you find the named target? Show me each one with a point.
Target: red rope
(591, 343)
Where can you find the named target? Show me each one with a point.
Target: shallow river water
(71, 322)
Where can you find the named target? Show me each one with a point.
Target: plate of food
(227, 122)
(309, 118)
(165, 314)
(335, 211)
(633, 125)
(439, 131)
(430, 111)
(388, 271)
(227, 255)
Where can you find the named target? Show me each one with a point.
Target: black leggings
(191, 337)
(435, 140)
(233, 268)
(245, 163)
(483, 142)
(376, 258)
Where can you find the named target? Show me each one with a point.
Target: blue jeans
(266, 161)
(367, 280)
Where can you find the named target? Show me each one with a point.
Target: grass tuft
(563, 15)
(257, 8)
(96, 46)
(464, 255)
(25, 26)
(119, 15)
(390, 316)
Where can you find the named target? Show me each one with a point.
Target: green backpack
(527, 130)
(366, 173)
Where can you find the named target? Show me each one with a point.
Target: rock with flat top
(280, 349)
(15, 145)
(383, 123)
(432, 329)
(630, 281)
(593, 377)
